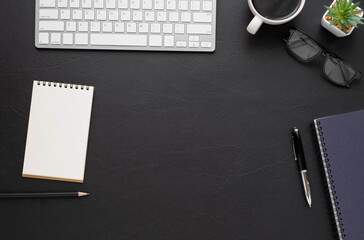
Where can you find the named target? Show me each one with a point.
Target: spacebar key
(118, 40)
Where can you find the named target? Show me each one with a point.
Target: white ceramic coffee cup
(258, 19)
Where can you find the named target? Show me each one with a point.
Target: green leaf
(342, 25)
(330, 9)
(347, 5)
(333, 21)
(356, 18)
(340, 5)
(353, 24)
(346, 24)
(356, 12)
(355, 5)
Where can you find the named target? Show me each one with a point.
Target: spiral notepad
(58, 129)
(341, 142)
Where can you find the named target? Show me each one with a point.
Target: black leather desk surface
(182, 145)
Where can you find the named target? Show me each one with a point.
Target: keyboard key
(155, 28)
(47, 3)
(169, 41)
(183, 5)
(159, 4)
(185, 17)
(62, 3)
(173, 17)
(155, 40)
(55, 38)
(51, 26)
(194, 44)
(202, 17)
(143, 27)
(119, 27)
(107, 27)
(125, 15)
(89, 15)
(134, 4)
(207, 5)
(147, 4)
(123, 4)
(149, 16)
(131, 27)
(83, 26)
(74, 3)
(110, 3)
(206, 44)
(161, 16)
(98, 3)
(199, 29)
(81, 38)
(118, 40)
(95, 27)
(179, 28)
(68, 38)
(171, 4)
(76, 14)
(194, 38)
(137, 15)
(181, 44)
(43, 38)
(86, 3)
(48, 14)
(71, 26)
(167, 28)
(195, 5)
(113, 15)
(101, 15)
(66, 14)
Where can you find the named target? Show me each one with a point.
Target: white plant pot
(332, 28)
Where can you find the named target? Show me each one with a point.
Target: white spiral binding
(62, 85)
(333, 198)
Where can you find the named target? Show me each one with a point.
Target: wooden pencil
(44, 195)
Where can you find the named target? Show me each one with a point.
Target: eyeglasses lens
(302, 46)
(339, 72)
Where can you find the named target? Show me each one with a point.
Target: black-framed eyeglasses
(306, 49)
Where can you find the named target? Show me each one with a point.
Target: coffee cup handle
(254, 25)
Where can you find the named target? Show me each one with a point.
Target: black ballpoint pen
(299, 156)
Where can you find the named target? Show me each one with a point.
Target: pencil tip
(82, 194)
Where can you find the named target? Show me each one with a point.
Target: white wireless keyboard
(162, 25)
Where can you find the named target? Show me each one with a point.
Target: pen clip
(294, 150)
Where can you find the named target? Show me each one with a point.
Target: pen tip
(82, 194)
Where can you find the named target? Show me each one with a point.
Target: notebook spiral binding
(329, 179)
(62, 85)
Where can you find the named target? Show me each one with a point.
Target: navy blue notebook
(341, 141)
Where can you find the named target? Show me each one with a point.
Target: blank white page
(58, 128)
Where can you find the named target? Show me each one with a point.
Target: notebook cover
(58, 129)
(341, 139)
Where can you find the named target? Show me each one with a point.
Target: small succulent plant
(345, 14)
